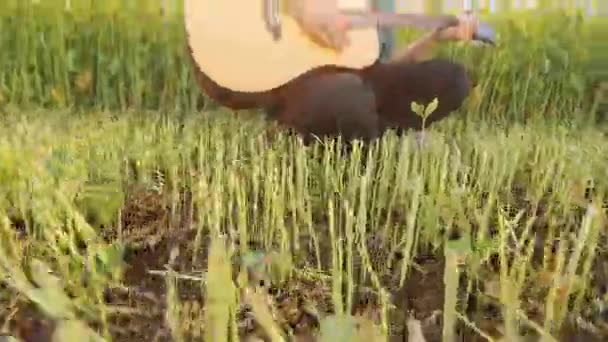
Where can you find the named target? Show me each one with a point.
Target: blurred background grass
(99, 55)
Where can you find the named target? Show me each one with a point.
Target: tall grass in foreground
(514, 211)
(474, 196)
(119, 55)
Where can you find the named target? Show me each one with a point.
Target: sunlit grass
(507, 195)
(439, 188)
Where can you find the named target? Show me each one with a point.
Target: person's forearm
(422, 49)
(418, 51)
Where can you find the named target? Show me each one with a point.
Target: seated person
(362, 103)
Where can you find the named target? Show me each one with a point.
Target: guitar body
(230, 43)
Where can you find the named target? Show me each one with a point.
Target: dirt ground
(145, 220)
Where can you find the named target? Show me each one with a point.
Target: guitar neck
(365, 18)
(362, 19)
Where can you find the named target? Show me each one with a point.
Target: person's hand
(322, 21)
(464, 31)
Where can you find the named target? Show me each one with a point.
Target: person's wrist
(443, 34)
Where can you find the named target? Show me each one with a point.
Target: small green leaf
(280, 267)
(100, 203)
(460, 246)
(431, 107)
(111, 256)
(111, 259)
(417, 108)
(254, 260)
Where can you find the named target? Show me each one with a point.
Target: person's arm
(422, 49)
(418, 51)
(322, 20)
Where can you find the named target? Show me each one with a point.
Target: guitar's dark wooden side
(226, 97)
(238, 100)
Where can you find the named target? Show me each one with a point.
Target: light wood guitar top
(254, 46)
(231, 43)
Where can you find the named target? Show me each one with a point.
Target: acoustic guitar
(254, 46)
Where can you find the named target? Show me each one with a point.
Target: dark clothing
(357, 104)
(367, 103)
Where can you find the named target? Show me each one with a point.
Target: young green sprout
(424, 113)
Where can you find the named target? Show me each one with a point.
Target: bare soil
(145, 221)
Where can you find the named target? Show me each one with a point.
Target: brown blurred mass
(354, 103)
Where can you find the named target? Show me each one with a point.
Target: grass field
(133, 209)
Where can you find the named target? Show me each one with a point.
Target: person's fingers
(339, 39)
(334, 33)
(342, 23)
(319, 32)
(449, 33)
(326, 30)
(467, 27)
(464, 31)
(323, 38)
